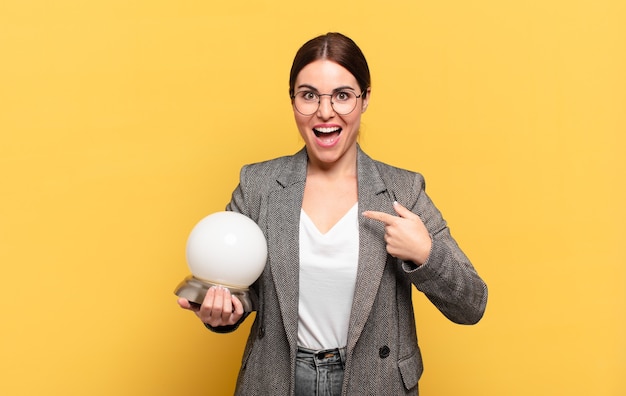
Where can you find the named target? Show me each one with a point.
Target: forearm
(450, 282)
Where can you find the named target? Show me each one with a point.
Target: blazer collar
(295, 172)
(368, 175)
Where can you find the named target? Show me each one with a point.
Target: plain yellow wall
(124, 122)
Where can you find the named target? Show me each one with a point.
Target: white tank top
(328, 267)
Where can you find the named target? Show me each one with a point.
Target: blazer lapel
(373, 195)
(284, 205)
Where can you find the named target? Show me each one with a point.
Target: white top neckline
(338, 223)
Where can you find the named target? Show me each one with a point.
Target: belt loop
(342, 355)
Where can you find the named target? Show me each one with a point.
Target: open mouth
(327, 133)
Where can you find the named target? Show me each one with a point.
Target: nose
(325, 109)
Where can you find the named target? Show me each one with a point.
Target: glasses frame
(319, 101)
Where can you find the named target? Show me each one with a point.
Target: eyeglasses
(343, 102)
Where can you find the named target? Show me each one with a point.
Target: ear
(366, 100)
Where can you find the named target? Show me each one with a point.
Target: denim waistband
(323, 356)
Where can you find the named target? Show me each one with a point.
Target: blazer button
(383, 352)
(261, 333)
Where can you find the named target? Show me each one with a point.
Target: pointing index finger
(380, 216)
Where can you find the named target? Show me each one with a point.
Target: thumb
(402, 211)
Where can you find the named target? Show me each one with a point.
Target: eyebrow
(312, 88)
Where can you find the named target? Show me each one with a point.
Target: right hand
(219, 307)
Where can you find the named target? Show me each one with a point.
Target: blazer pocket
(411, 369)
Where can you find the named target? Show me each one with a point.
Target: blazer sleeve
(447, 278)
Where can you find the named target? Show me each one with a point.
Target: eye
(309, 96)
(344, 96)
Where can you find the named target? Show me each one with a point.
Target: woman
(335, 312)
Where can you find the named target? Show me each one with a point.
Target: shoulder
(283, 170)
(385, 170)
(275, 165)
(394, 176)
(267, 167)
(393, 172)
(272, 166)
(406, 185)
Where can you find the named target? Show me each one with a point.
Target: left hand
(406, 235)
(219, 308)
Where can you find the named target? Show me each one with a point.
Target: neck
(344, 166)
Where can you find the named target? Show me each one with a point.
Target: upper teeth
(327, 130)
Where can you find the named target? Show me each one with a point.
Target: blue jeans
(319, 373)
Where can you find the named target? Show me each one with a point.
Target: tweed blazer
(382, 353)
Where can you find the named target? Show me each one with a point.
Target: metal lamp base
(194, 290)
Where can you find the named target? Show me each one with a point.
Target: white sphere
(227, 248)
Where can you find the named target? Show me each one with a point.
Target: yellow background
(124, 122)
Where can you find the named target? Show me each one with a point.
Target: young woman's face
(328, 135)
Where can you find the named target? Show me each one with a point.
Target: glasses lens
(344, 102)
(306, 102)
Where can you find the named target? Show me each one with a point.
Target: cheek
(301, 122)
(298, 118)
(354, 121)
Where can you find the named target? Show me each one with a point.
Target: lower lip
(327, 142)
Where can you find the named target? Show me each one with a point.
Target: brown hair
(337, 48)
